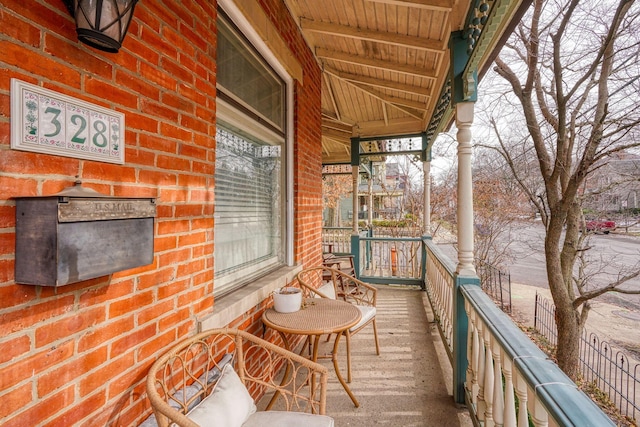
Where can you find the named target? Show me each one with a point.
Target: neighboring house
(387, 193)
(384, 196)
(614, 186)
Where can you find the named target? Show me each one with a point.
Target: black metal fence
(608, 368)
(496, 284)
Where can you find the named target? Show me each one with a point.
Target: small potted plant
(287, 299)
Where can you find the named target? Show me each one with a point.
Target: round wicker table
(317, 316)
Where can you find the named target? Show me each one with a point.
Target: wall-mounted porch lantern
(102, 24)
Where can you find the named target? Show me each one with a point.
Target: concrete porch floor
(409, 384)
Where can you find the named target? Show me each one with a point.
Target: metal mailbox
(79, 234)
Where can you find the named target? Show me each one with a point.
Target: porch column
(370, 197)
(426, 170)
(464, 119)
(355, 170)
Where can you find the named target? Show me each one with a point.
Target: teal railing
(381, 258)
(391, 260)
(498, 372)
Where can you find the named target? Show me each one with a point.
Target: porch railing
(379, 259)
(440, 287)
(505, 379)
(498, 372)
(391, 260)
(336, 239)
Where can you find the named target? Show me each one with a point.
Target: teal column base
(460, 331)
(355, 250)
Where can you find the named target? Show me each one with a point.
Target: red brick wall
(308, 149)
(78, 355)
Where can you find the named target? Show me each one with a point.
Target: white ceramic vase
(287, 300)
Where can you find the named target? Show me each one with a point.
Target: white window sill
(232, 306)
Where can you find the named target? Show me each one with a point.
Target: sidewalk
(616, 325)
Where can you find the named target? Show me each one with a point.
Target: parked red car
(600, 226)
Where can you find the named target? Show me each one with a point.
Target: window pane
(245, 76)
(248, 210)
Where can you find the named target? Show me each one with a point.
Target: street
(613, 317)
(609, 256)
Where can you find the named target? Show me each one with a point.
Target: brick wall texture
(78, 355)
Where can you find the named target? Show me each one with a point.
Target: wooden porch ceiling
(384, 62)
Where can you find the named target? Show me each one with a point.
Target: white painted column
(464, 119)
(426, 170)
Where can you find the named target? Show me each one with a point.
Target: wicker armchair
(326, 282)
(188, 377)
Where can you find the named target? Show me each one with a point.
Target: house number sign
(48, 122)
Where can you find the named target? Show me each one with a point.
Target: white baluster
(469, 374)
(509, 396)
(521, 391)
(482, 405)
(450, 313)
(488, 379)
(498, 391)
(539, 415)
(475, 349)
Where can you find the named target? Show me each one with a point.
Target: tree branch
(611, 287)
(621, 10)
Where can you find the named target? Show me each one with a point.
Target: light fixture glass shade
(103, 24)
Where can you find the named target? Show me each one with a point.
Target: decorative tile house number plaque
(48, 122)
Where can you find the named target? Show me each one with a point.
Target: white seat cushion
(367, 312)
(229, 404)
(327, 290)
(287, 419)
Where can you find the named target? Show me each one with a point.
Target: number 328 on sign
(48, 122)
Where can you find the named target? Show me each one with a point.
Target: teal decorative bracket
(485, 19)
(464, 84)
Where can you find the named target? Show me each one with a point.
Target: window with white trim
(250, 214)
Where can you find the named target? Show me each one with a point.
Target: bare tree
(443, 202)
(572, 67)
(499, 205)
(334, 188)
(410, 183)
